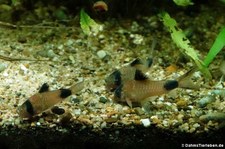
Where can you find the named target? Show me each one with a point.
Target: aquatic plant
(183, 2)
(88, 25)
(217, 46)
(183, 43)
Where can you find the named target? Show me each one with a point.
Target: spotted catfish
(45, 99)
(135, 86)
(115, 79)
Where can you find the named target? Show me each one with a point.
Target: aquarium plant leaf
(182, 42)
(88, 25)
(217, 46)
(183, 2)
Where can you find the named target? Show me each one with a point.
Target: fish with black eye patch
(131, 85)
(45, 99)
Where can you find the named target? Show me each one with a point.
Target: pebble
(3, 66)
(77, 111)
(72, 59)
(155, 120)
(111, 120)
(146, 122)
(180, 117)
(103, 99)
(216, 116)
(219, 92)
(182, 103)
(196, 125)
(75, 100)
(38, 123)
(184, 127)
(165, 123)
(139, 111)
(70, 42)
(85, 120)
(101, 54)
(205, 101)
(23, 68)
(47, 53)
(103, 125)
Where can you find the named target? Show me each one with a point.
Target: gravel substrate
(91, 118)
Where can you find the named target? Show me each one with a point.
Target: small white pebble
(101, 54)
(3, 66)
(77, 111)
(72, 59)
(103, 125)
(196, 125)
(5, 74)
(146, 122)
(161, 98)
(38, 123)
(101, 36)
(168, 103)
(70, 42)
(165, 123)
(60, 47)
(22, 67)
(191, 107)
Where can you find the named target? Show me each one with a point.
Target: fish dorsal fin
(137, 61)
(140, 76)
(44, 88)
(149, 62)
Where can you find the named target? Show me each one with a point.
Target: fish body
(137, 91)
(135, 86)
(45, 99)
(130, 72)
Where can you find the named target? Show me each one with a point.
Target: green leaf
(183, 43)
(217, 46)
(88, 25)
(183, 2)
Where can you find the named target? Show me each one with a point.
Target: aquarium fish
(126, 73)
(45, 99)
(140, 88)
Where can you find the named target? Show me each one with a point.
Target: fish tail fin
(77, 87)
(186, 82)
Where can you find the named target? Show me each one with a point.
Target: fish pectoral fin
(129, 102)
(186, 82)
(44, 88)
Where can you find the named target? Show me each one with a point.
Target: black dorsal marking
(29, 107)
(149, 62)
(117, 77)
(65, 93)
(140, 75)
(171, 84)
(136, 62)
(44, 88)
(118, 91)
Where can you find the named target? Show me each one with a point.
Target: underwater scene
(112, 74)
